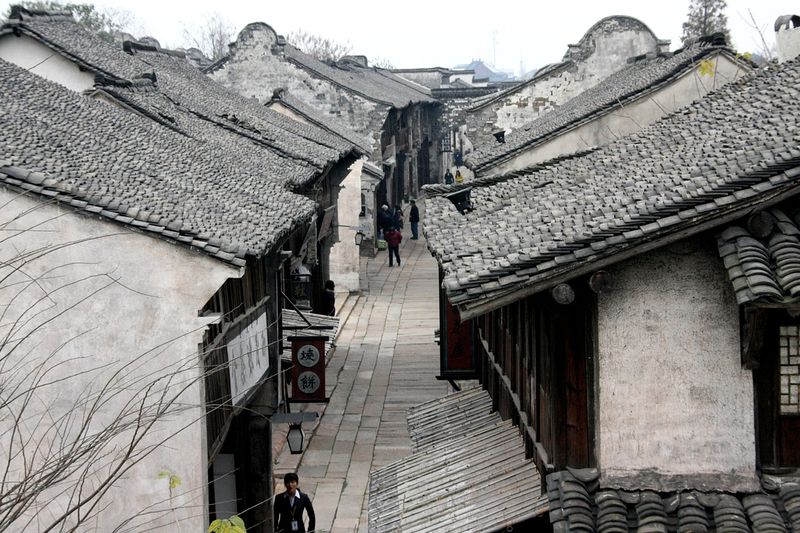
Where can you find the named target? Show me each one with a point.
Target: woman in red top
(393, 239)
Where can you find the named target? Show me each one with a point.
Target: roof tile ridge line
(17, 12)
(402, 81)
(69, 55)
(216, 65)
(132, 47)
(66, 198)
(338, 84)
(317, 121)
(558, 68)
(681, 69)
(543, 280)
(136, 108)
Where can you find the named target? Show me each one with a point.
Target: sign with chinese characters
(248, 356)
(308, 369)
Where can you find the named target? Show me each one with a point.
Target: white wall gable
(37, 58)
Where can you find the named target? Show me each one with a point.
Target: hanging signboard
(308, 369)
(247, 348)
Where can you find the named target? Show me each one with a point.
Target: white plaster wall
(32, 55)
(111, 300)
(629, 119)
(674, 406)
(788, 41)
(344, 257)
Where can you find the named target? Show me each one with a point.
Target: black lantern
(295, 438)
(359, 237)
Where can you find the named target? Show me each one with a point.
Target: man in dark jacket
(288, 508)
(413, 218)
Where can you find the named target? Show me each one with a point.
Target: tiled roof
(764, 269)
(578, 503)
(285, 97)
(188, 88)
(632, 82)
(482, 181)
(108, 161)
(378, 85)
(468, 472)
(58, 31)
(737, 146)
(185, 91)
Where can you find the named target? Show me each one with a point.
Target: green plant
(233, 524)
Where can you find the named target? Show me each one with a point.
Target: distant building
(603, 50)
(396, 115)
(648, 88)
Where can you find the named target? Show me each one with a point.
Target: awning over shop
(468, 472)
(294, 325)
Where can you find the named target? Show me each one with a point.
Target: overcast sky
(426, 33)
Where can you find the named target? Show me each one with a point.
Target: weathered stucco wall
(105, 300)
(630, 118)
(254, 70)
(603, 50)
(787, 38)
(344, 258)
(674, 406)
(32, 55)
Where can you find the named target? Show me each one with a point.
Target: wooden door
(778, 393)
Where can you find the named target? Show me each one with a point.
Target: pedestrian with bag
(393, 240)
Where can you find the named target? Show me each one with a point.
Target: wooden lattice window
(789, 370)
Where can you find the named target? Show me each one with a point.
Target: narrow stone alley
(385, 361)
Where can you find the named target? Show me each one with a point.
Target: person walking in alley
(413, 218)
(289, 506)
(448, 177)
(459, 177)
(393, 240)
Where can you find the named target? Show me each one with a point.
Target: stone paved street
(385, 361)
